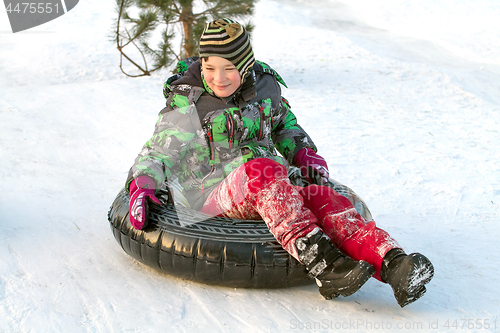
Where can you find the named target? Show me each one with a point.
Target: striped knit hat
(227, 39)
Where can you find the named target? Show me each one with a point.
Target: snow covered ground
(401, 97)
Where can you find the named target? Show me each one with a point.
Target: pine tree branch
(177, 10)
(209, 10)
(174, 13)
(120, 12)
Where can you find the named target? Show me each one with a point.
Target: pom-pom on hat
(227, 39)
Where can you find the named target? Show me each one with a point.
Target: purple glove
(140, 189)
(308, 161)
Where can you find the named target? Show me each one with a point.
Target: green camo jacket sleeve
(175, 134)
(288, 136)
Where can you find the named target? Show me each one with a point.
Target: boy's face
(221, 76)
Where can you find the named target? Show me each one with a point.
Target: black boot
(335, 273)
(406, 274)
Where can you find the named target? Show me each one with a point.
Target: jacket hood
(192, 76)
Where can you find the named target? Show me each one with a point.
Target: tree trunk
(187, 19)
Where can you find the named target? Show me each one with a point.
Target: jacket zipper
(230, 129)
(261, 109)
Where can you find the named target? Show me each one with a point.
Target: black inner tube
(212, 250)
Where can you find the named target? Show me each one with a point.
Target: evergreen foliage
(140, 21)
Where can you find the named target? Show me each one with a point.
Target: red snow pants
(260, 189)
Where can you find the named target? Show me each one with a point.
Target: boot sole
(358, 277)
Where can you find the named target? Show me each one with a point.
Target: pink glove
(140, 189)
(307, 160)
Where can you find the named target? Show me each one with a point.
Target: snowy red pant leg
(347, 229)
(261, 189)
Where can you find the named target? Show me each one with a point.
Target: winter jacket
(200, 138)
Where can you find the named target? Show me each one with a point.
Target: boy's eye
(228, 69)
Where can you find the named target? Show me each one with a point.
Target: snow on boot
(406, 274)
(335, 273)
